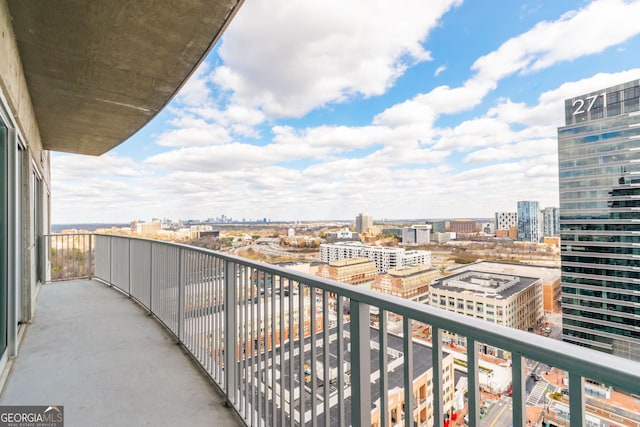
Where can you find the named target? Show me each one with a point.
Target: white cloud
(401, 162)
(194, 134)
(306, 55)
(196, 90)
(599, 25)
(550, 108)
(78, 167)
(590, 30)
(212, 158)
(525, 149)
(479, 132)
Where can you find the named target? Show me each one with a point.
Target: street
(499, 414)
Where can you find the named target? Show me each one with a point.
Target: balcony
(259, 334)
(93, 351)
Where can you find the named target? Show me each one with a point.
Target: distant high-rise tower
(550, 222)
(364, 223)
(528, 221)
(599, 156)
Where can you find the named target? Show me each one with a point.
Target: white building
(506, 220)
(384, 257)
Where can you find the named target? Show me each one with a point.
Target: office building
(354, 271)
(529, 222)
(506, 299)
(438, 226)
(599, 156)
(550, 222)
(549, 277)
(364, 223)
(463, 226)
(384, 257)
(417, 234)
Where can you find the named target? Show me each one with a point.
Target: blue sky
(322, 110)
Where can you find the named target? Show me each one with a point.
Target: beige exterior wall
(423, 392)
(552, 293)
(353, 271)
(520, 311)
(415, 282)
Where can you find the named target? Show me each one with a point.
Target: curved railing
(260, 331)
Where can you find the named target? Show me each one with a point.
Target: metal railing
(69, 256)
(289, 348)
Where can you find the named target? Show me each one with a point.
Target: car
(564, 391)
(536, 377)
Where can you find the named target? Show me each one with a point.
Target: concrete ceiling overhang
(98, 71)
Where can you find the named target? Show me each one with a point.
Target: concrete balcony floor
(92, 350)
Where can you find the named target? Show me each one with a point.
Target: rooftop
(409, 270)
(492, 285)
(547, 274)
(350, 261)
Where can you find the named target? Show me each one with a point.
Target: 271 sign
(579, 104)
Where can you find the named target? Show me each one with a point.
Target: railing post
(576, 399)
(360, 364)
(181, 277)
(518, 390)
(110, 260)
(90, 256)
(409, 399)
(384, 376)
(230, 331)
(44, 251)
(436, 391)
(130, 263)
(473, 397)
(150, 278)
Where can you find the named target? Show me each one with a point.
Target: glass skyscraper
(550, 222)
(599, 156)
(528, 221)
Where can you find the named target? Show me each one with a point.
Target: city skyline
(307, 116)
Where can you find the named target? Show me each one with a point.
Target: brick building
(352, 270)
(406, 282)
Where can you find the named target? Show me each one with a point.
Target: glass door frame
(10, 223)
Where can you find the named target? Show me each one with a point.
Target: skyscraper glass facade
(599, 156)
(528, 221)
(551, 222)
